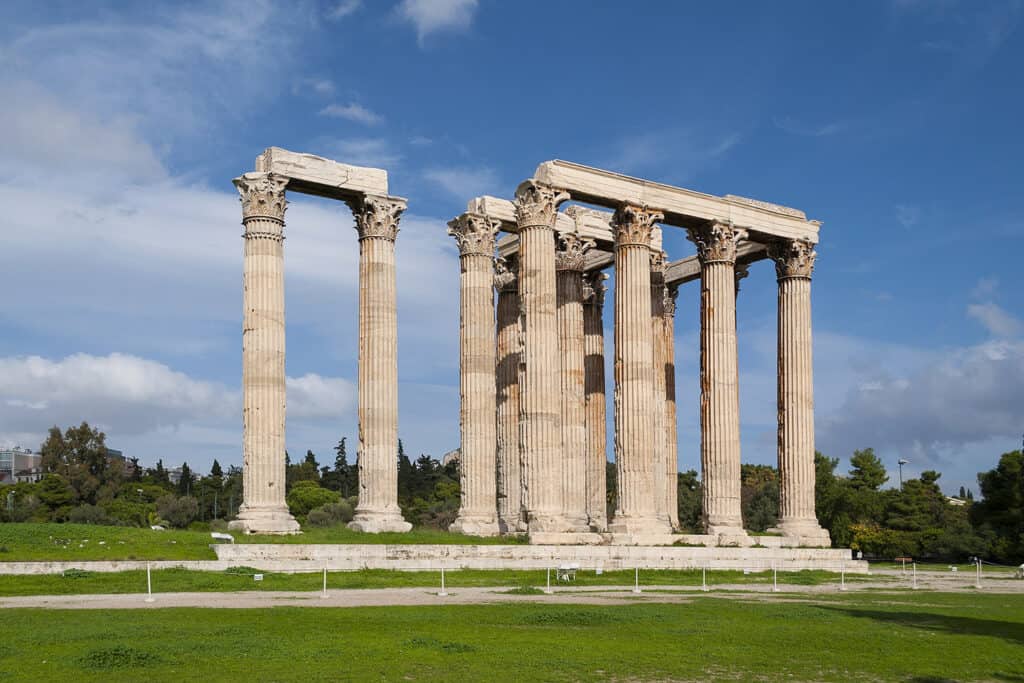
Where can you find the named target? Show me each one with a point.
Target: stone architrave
(719, 401)
(570, 258)
(263, 508)
(597, 457)
(506, 282)
(475, 235)
(636, 511)
(794, 264)
(376, 219)
(659, 479)
(671, 420)
(536, 208)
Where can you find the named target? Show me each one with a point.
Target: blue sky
(896, 123)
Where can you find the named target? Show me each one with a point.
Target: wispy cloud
(343, 9)
(317, 86)
(435, 16)
(908, 215)
(997, 321)
(352, 112)
(985, 288)
(377, 152)
(464, 183)
(674, 154)
(794, 127)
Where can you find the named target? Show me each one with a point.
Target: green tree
(187, 480)
(1000, 512)
(688, 499)
(79, 455)
(307, 495)
(759, 496)
(56, 493)
(866, 471)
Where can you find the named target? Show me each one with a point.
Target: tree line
(81, 484)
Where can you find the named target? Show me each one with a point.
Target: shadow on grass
(1011, 678)
(968, 626)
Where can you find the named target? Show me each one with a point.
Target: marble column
(506, 282)
(570, 258)
(671, 420)
(594, 381)
(376, 220)
(636, 512)
(263, 508)
(719, 397)
(478, 511)
(794, 263)
(536, 207)
(659, 480)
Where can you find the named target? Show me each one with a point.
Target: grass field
(916, 638)
(241, 579)
(41, 542)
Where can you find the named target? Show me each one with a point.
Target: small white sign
(257, 577)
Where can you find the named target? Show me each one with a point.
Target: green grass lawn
(918, 638)
(241, 579)
(86, 542)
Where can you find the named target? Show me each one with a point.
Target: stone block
(315, 175)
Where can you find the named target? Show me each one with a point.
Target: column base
(475, 525)
(807, 532)
(638, 526)
(578, 524)
(565, 538)
(730, 530)
(511, 525)
(378, 521)
(275, 520)
(598, 524)
(548, 523)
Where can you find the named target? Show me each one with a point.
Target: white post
(324, 594)
(914, 585)
(977, 572)
(904, 565)
(704, 578)
(149, 585)
(548, 589)
(842, 576)
(443, 592)
(775, 578)
(636, 579)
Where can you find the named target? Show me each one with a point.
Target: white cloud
(343, 9)
(317, 86)
(433, 16)
(985, 288)
(997, 321)
(352, 112)
(465, 183)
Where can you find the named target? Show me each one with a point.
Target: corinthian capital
(633, 224)
(262, 195)
(571, 252)
(594, 288)
(474, 234)
(793, 258)
(671, 292)
(506, 274)
(716, 241)
(537, 204)
(657, 267)
(377, 216)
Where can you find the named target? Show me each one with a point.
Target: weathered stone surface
(509, 355)
(311, 174)
(681, 207)
(596, 406)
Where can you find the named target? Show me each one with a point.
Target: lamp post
(901, 463)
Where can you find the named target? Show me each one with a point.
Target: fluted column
(377, 223)
(477, 464)
(719, 398)
(509, 483)
(569, 263)
(794, 264)
(594, 381)
(636, 512)
(536, 207)
(659, 481)
(263, 508)
(671, 420)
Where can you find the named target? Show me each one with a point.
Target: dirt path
(892, 583)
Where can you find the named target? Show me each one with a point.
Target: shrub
(307, 495)
(331, 514)
(178, 512)
(127, 512)
(199, 526)
(218, 525)
(88, 514)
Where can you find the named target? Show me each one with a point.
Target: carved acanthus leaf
(793, 258)
(716, 241)
(377, 216)
(594, 288)
(571, 251)
(262, 195)
(474, 233)
(536, 204)
(506, 274)
(632, 224)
